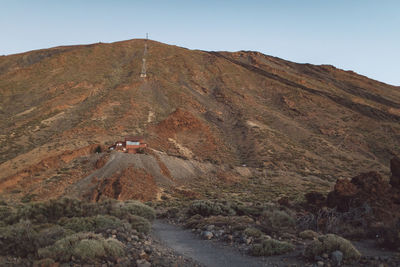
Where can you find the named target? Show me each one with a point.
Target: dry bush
(351, 224)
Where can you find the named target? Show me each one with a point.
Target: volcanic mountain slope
(227, 109)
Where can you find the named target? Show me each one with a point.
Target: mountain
(220, 116)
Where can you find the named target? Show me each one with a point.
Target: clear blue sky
(360, 35)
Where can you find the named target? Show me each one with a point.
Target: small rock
(114, 232)
(143, 254)
(135, 238)
(207, 235)
(318, 258)
(337, 257)
(249, 240)
(320, 263)
(325, 256)
(143, 263)
(148, 250)
(243, 239)
(229, 237)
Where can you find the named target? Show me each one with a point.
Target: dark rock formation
(395, 169)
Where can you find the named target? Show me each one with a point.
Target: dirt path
(209, 253)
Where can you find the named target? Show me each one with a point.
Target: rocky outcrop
(395, 169)
(367, 187)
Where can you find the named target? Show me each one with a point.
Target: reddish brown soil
(241, 108)
(130, 183)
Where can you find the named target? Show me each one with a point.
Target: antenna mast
(143, 74)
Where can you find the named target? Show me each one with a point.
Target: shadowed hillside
(227, 109)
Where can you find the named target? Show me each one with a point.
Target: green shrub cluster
(53, 210)
(330, 243)
(60, 229)
(208, 208)
(253, 232)
(97, 224)
(271, 247)
(85, 247)
(131, 207)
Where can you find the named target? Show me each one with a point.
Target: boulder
(207, 235)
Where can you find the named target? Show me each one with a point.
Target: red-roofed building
(132, 145)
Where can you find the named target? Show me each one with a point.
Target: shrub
(140, 224)
(308, 234)
(18, 239)
(87, 247)
(96, 224)
(275, 220)
(131, 207)
(87, 250)
(7, 215)
(53, 210)
(330, 243)
(233, 222)
(98, 149)
(50, 211)
(45, 263)
(49, 234)
(207, 208)
(271, 247)
(253, 232)
(194, 221)
(253, 211)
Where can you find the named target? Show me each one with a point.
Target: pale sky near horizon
(359, 35)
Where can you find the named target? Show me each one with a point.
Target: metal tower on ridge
(143, 74)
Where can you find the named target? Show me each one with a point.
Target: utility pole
(143, 74)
